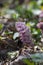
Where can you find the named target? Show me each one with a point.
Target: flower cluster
(41, 14)
(41, 17)
(24, 32)
(40, 25)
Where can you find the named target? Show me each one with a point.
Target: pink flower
(40, 25)
(24, 32)
(41, 14)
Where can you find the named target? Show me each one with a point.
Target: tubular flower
(41, 14)
(40, 25)
(24, 32)
(41, 17)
